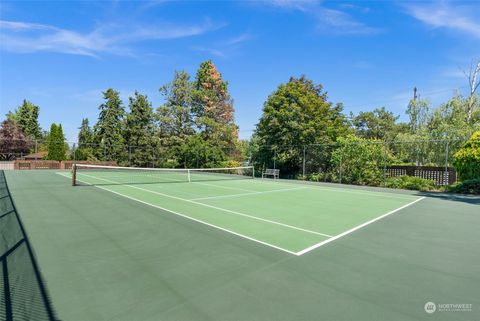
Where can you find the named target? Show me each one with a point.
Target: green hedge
(467, 160)
(411, 182)
(471, 186)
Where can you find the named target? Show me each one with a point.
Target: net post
(253, 171)
(74, 174)
(188, 174)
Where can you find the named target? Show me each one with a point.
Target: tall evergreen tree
(140, 130)
(56, 143)
(27, 118)
(85, 148)
(85, 135)
(108, 131)
(175, 118)
(62, 146)
(52, 146)
(213, 106)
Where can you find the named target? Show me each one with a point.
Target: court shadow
(24, 293)
(470, 199)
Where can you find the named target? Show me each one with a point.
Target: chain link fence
(364, 162)
(350, 162)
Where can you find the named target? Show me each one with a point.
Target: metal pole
(104, 153)
(445, 176)
(340, 169)
(303, 167)
(129, 156)
(153, 157)
(74, 152)
(274, 158)
(385, 164)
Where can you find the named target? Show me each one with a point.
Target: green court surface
(248, 249)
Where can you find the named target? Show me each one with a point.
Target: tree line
(194, 127)
(299, 127)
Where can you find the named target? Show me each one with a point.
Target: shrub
(410, 182)
(467, 160)
(470, 186)
(361, 161)
(323, 177)
(230, 163)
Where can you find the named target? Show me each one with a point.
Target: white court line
(187, 217)
(299, 253)
(245, 194)
(336, 189)
(211, 206)
(315, 246)
(206, 184)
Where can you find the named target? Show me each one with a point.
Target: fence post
(129, 156)
(104, 153)
(74, 152)
(303, 167)
(341, 160)
(445, 176)
(274, 158)
(385, 164)
(153, 157)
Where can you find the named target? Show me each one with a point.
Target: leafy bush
(361, 161)
(410, 182)
(470, 186)
(230, 163)
(323, 177)
(467, 160)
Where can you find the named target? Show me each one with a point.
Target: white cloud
(295, 4)
(209, 50)
(444, 15)
(239, 39)
(328, 20)
(226, 47)
(18, 26)
(337, 21)
(24, 37)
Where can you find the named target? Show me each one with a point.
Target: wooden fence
(8, 165)
(440, 175)
(69, 164)
(50, 164)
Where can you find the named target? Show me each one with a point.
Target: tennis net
(84, 174)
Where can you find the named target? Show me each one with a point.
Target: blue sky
(61, 55)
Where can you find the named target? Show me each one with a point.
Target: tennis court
(221, 245)
(285, 216)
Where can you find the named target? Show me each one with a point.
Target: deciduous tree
(298, 113)
(13, 142)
